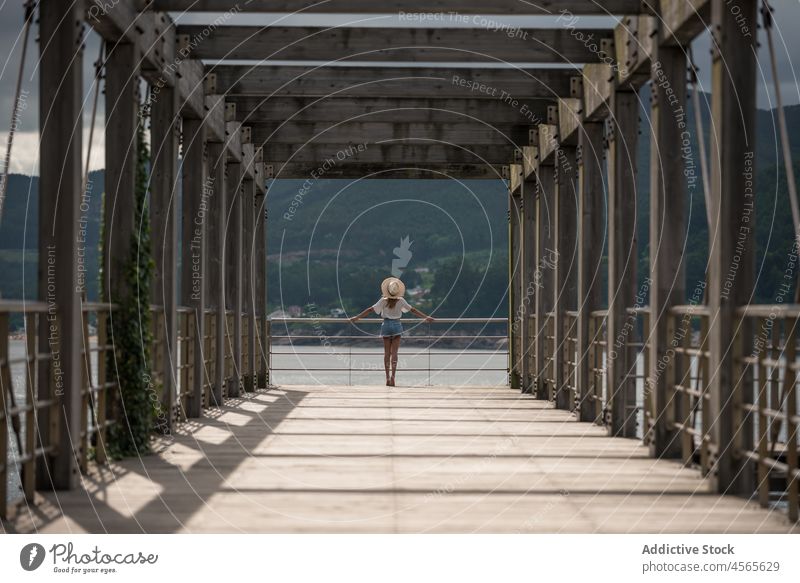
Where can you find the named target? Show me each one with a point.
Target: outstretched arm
(361, 315)
(422, 315)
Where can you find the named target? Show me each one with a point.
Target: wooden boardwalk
(375, 459)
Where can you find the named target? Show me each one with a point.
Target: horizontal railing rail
(351, 345)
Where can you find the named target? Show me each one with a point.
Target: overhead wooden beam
(408, 44)
(153, 36)
(369, 132)
(598, 83)
(410, 8)
(548, 143)
(294, 170)
(570, 116)
(419, 82)
(683, 20)
(634, 40)
(412, 152)
(255, 110)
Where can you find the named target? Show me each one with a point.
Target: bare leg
(387, 352)
(395, 348)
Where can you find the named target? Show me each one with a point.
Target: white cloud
(25, 151)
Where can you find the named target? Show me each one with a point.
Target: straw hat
(391, 287)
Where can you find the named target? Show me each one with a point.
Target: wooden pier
(405, 459)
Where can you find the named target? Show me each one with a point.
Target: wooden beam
(667, 227)
(570, 116)
(371, 132)
(622, 259)
(233, 272)
(262, 110)
(194, 254)
(416, 82)
(407, 44)
(413, 11)
(153, 36)
(530, 276)
(548, 144)
(248, 295)
(634, 40)
(233, 138)
(215, 230)
(545, 264)
(60, 194)
(566, 269)
(733, 236)
(591, 232)
(215, 118)
(514, 277)
(683, 20)
(598, 84)
(165, 127)
(293, 170)
(416, 152)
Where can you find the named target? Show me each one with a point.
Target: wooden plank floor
(379, 459)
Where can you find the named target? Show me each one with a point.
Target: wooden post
(261, 289)
(233, 269)
(194, 269)
(591, 230)
(546, 262)
(667, 226)
(248, 307)
(217, 261)
(515, 273)
(566, 270)
(732, 242)
(530, 279)
(60, 192)
(165, 127)
(622, 258)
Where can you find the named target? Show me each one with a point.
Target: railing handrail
(769, 310)
(690, 310)
(22, 306)
(302, 320)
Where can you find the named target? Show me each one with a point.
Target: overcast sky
(25, 153)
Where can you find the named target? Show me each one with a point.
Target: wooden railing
(766, 399)
(569, 357)
(687, 383)
(597, 365)
(33, 370)
(98, 384)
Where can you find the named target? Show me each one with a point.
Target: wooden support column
(530, 279)
(261, 289)
(233, 271)
(591, 230)
(165, 127)
(515, 273)
(733, 230)
(623, 134)
(566, 269)
(667, 226)
(546, 261)
(217, 261)
(248, 188)
(60, 191)
(194, 267)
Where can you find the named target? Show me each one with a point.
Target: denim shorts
(391, 327)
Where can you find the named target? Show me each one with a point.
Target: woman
(391, 307)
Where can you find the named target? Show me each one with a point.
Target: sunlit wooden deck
(375, 459)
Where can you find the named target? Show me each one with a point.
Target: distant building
(295, 311)
(337, 313)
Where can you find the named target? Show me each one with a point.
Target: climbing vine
(131, 331)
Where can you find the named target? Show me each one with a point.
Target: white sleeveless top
(384, 311)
